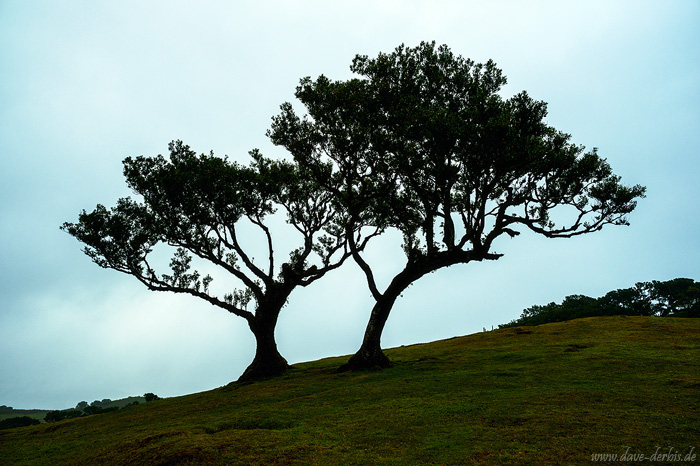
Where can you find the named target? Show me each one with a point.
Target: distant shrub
(55, 416)
(151, 397)
(99, 410)
(21, 421)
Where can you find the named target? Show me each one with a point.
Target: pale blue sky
(84, 84)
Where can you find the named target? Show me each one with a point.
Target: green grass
(553, 394)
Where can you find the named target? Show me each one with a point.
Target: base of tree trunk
(365, 360)
(259, 369)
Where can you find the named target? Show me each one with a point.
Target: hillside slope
(553, 394)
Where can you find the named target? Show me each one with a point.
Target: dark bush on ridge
(55, 416)
(21, 421)
(93, 409)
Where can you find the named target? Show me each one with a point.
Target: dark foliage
(93, 409)
(197, 205)
(21, 421)
(151, 397)
(422, 142)
(55, 416)
(679, 297)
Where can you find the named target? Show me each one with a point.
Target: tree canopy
(424, 143)
(196, 204)
(421, 142)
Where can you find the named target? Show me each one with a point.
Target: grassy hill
(553, 394)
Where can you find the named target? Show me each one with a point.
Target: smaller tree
(197, 205)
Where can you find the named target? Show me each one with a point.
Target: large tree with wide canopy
(423, 142)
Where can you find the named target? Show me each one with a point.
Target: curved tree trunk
(268, 361)
(370, 354)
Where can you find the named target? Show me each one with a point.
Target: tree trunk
(370, 354)
(268, 361)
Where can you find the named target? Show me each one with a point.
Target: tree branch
(156, 284)
(216, 259)
(246, 260)
(354, 250)
(271, 256)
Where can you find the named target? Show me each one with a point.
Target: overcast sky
(84, 84)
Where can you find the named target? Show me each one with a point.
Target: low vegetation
(18, 421)
(11, 418)
(553, 394)
(679, 297)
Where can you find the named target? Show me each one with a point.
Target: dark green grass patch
(553, 394)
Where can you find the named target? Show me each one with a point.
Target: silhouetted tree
(577, 306)
(537, 314)
(628, 301)
(151, 397)
(679, 297)
(198, 205)
(422, 142)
